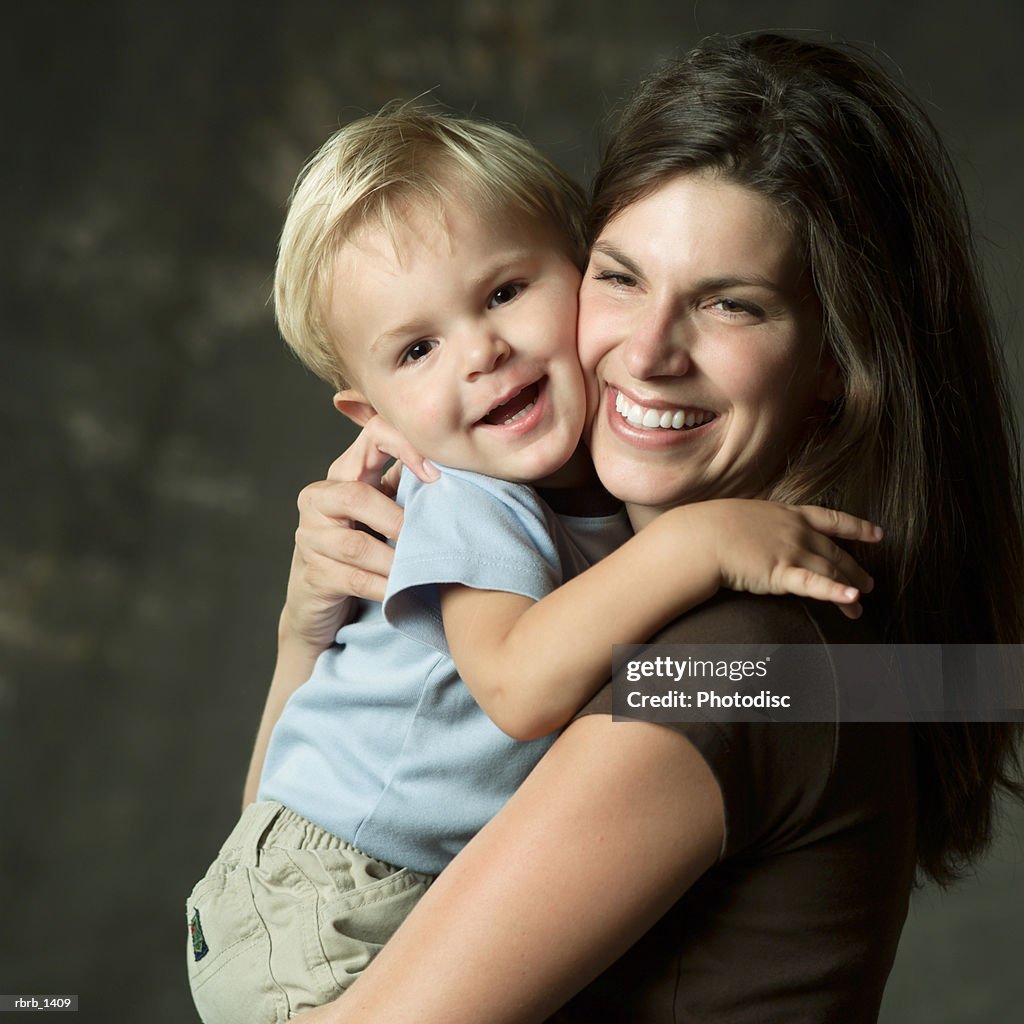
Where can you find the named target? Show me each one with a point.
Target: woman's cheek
(595, 328)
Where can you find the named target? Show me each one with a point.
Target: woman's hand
(765, 547)
(336, 557)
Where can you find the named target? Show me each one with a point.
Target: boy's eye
(419, 350)
(506, 293)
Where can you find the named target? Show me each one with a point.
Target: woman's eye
(419, 350)
(616, 278)
(733, 308)
(506, 293)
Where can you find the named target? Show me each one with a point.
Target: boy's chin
(576, 470)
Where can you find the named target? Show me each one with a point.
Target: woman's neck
(574, 489)
(642, 515)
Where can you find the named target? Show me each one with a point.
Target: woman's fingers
(390, 480)
(339, 551)
(352, 548)
(346, 502)
(377, 444)
(340, 554)
(345, 580)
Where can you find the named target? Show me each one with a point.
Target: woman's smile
(658, 415)
(651, 422)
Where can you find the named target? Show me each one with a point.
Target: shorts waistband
(269, 824)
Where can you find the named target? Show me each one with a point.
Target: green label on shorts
(199, 946)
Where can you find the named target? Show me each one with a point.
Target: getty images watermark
(814, 683)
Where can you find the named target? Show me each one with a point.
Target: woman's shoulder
(775, 766)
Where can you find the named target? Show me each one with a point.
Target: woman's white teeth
(661, 419)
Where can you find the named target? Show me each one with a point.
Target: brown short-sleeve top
(800, 918)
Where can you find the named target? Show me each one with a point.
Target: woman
(779, 240)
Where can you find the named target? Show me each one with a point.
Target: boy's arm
(532, 664)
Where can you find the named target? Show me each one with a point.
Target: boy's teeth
(659, 419)
(519, 415)
(514, 408)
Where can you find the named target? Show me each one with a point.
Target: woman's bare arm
(608, 831)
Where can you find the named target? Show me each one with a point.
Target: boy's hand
(335, 558)
(766, 547)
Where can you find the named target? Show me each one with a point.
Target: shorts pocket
(354, 926)
(226, 953)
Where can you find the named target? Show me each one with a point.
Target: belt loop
(243, 845)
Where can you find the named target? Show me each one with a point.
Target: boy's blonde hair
(371, 171)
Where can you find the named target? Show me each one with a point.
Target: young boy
(428, 269)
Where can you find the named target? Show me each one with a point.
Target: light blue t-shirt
(384, 746)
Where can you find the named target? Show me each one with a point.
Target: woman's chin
(643, 487)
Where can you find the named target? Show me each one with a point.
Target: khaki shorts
(287, 917)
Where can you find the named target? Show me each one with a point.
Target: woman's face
(702, 332)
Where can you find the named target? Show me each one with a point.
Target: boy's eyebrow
(399, 333)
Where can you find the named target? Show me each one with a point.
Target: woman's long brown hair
(923, 439)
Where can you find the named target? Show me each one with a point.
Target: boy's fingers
(817, 583)
(851, 611)
(848, 569)
(840, 524)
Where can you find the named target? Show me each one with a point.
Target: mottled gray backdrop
(155, 432)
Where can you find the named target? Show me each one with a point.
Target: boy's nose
(483, 353)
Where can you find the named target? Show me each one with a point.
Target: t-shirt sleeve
(469, 529)
(771, 774)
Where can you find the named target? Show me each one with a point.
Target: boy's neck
(575, 490)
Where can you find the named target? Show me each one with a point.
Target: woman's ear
(355, 406)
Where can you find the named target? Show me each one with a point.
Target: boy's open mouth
(514, 408)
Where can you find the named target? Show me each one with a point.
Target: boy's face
(464, 339)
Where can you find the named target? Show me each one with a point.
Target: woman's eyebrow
(619, 256)
(712, 284)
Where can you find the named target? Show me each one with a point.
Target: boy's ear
(355, 405)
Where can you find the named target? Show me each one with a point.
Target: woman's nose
(658, 345)
(483, 352)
